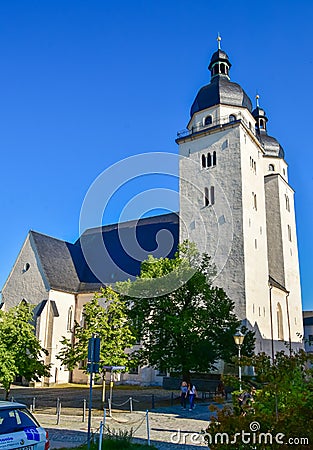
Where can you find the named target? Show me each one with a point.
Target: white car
(19, 429)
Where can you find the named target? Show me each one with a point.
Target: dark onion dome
(271, 146)
(220, 90)
(219, 55)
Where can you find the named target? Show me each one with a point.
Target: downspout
(288, 319)
(271, 316)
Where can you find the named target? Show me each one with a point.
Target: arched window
(223, 69)
(208, 120)
(203, 159)
(214, 158)
(232, 118)
(215, 69)
(261, 123)
(69, 319)
(271, 167)
(209, 160)
(26, 267)
(212, 195)
(280, 329)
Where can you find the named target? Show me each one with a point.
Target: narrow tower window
(280, 329)
(212, 195)
(232, 118)
(287, 202)
(69, 319)
(209, 160)
(255, 204)
(289, 232)
(271, 167)
(203, 159)
(206, 197)
(214, 158)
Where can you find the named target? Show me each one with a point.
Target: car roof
(10, 405)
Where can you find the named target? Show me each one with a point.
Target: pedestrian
(183, 394)
(192, 393)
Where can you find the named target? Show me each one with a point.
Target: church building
(235, 203)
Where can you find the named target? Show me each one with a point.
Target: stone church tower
(236, 204)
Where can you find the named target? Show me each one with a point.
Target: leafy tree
(109, 321)
(184, 323)
(283, 403)
(20, 350)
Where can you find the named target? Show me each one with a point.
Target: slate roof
(220, 91)
(65, 266)
(57, 261)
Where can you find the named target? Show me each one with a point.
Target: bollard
(172, 398)
(84, 410)
(12, 399)
(110, 407)
(57, 406)
(148, 427)
(131, 404)
(104, 416)
(34, 403)
(100, 436)
(31, 408)
(59, 413)
(152, 402)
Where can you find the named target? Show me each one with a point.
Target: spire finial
(257, 100)
(219, 41)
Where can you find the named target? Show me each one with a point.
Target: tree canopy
(20, 350)
(183, 322)
(282, 410)
(108, 321)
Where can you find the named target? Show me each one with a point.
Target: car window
(15, 420)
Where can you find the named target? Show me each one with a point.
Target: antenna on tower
(257, 100)
(219, 41)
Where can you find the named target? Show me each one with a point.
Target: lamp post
(239, 338)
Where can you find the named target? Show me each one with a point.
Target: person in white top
(192, 393)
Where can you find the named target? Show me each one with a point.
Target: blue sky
(84, 84)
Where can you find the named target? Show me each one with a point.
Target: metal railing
(215, 124)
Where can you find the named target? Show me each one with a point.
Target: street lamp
(239, 338)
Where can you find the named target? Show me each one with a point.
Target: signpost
(111, 369)
(92, 367)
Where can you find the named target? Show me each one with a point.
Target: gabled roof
(57, 260)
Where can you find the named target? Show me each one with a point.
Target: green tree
(109, 321)
(183, 322)
(283, 405)
(20, 350)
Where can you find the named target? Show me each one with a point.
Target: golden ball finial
(219, 41)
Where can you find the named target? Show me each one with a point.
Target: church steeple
(219, 65)
(260, 117)
(271, 146)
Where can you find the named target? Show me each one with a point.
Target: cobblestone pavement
(170, 428)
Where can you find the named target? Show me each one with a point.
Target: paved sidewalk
(171, 428)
